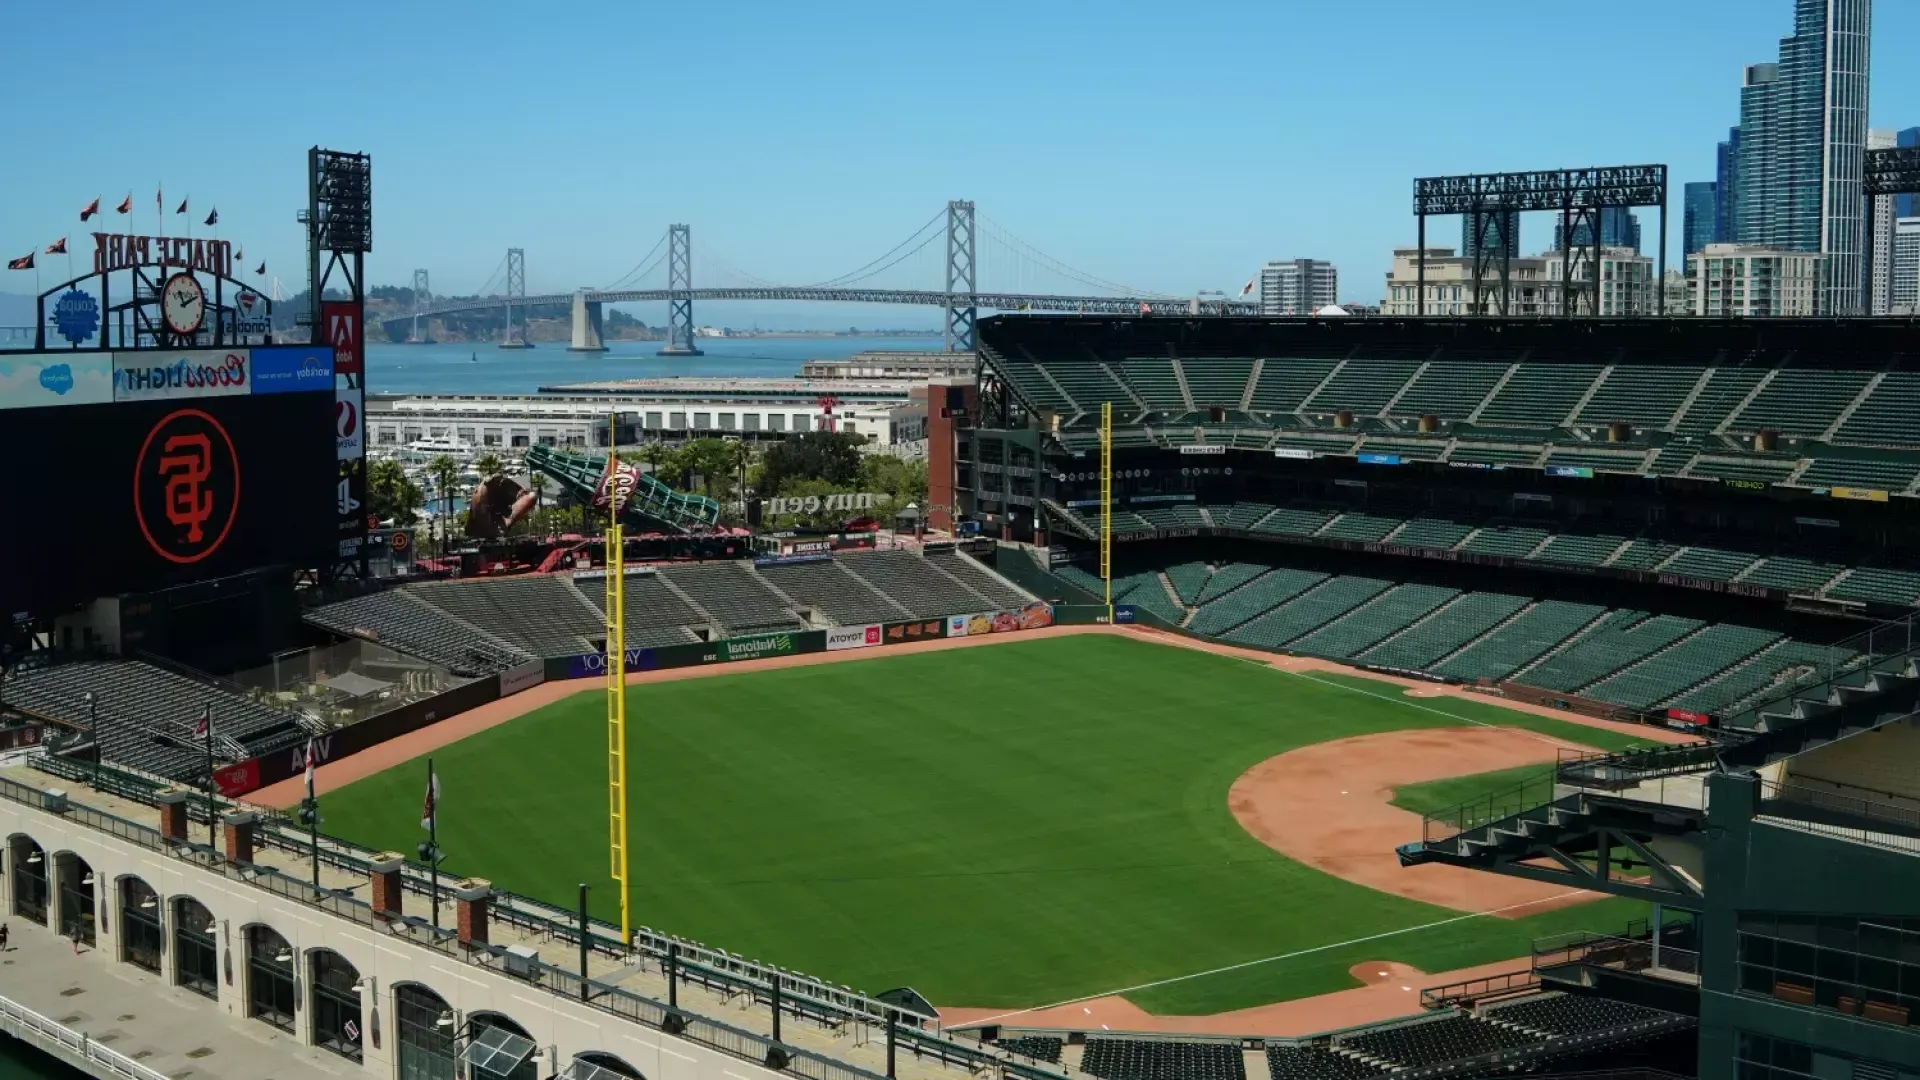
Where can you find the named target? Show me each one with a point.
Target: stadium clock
(183, 304)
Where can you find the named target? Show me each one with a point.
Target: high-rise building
(1726, 190)
(1879, 237)
(1627, 284)
(1618, 229)
(1745, 281)
(1702, 200)
(1907, 206)
(1803, 133)
(1502, 231)
(1298, 286)
(1906, 267)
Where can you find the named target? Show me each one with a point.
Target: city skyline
(800, 147)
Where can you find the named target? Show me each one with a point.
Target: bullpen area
(1013, 826)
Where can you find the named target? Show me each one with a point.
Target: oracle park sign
(156, 292)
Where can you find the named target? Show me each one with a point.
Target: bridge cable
(850, 275)
(640, 269)
(846, 281)
(1000, 232)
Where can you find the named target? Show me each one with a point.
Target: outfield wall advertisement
(853, 637)
(1005, 621)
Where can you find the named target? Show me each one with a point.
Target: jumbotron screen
(141, 471)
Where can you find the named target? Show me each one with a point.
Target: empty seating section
(1217, 380)
(1450, 390)
(734, 596)
(998, 591)
(1538, 395)
(1035, 1047)
(1875, 583)
(1572, 1014)
(1228, 578)
(1429, 450)
(655, 614)
(1853, 472)
(398, 620)
(1294, 521)
(1764, 470)
(1887, 416)
(1286, 381)
(1088, 384)
(1726, 388)
(1693, 661)
(1024, 376)
(1579, 550)
(537, 612)
(1389, 613)
(1240, 515)
(1706, 562)
(1256, 597)
(1785, 661)
(1786, 572)
(1643, 555)
(1308, 611)
(1315, 1063)
(917, 583)
(1189, 579)
(1154, 382)
(1145, 590)
(1172, 516)
(1594, 459)
(1082, 579)
(1435, 1042)
(1431, 533)
(1446, 630)
(832, 590)
(1162, 1059)
(1361, 386)
(1519, 641)
(1358, 526)
(1623, 637)
(1644, 395)
(1504, 540)
(1804, 403)
(1331, 444)
(1510, 454)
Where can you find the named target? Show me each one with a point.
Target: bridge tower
(516, 290)
(961, 310)
(422, 299)
(679, 292)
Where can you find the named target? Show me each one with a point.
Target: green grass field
(1002, 826)
(1437, 795)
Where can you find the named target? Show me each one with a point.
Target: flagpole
(213, 818)
(313, 817)
(433, 846)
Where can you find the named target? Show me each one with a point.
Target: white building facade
(1748, 281)
(1298, 286)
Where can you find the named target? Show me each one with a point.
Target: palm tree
(738, 456)
(444, 471)
(489, 465)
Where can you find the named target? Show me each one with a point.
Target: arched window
(140, 936)
(29, 879)
(196, 949)
(499, 1049)
(595, 1065)
(77, 914)
(424, 1024)
(336, 1003)
(269, 977)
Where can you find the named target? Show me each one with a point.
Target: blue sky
(1169, 148)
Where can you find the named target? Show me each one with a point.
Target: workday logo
(290, 369)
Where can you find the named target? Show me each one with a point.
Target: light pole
(93, 728)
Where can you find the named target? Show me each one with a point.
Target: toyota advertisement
(189, 471)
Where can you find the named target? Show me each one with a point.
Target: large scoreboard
(135, 471)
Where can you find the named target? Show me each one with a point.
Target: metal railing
(1618, 953)
(1889, 643)
(1632, 767)
(1534, 791)
(65, 1043)
(1861, 814)
(1471, 990)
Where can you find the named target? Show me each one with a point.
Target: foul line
(1271, 959)
(1403, 699)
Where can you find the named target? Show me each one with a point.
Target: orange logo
(186, 486)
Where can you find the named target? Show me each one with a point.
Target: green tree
(393, 495)
(445, 473)
(489, 465)
(829, 456)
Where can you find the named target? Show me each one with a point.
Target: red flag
(213, 217)
(58, 247)
(92, 209)
(126, 204)
(203, 726)
(24, 262)
(431, 803)
(261, 269)
(312, 760)
(158, 206)
(1144, 309)
(182, 208)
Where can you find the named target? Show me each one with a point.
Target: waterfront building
(1298, 286)
(1748, 281)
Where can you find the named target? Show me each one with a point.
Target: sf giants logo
(186, 486)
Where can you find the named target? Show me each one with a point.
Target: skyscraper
(1618, 229)
(1502, 231)
(1702, 201)
(1879, 238)
(1906, 206)
(1298, 286)
(1803, 133)
(1726, 192)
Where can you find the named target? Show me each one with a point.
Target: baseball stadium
(1306, 699)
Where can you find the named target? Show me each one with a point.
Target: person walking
(3, 937)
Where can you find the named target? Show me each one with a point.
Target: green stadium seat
(1089, 385)
(1538, 395)
(1189, 578)
(1450, 390)
(1711, 563)
(1644, 395)
(1285, 381)
(1407, 449)
(1644, 555)
(1784, 662)
(1361, 386)
(1786, 572)
(1172, 516)
(1520, 641)
(1689, 663)
(1307, 612)
(1358, 526)
(1504, 540)
(1879, 475)
(1430, 533)
(1496, 454)
(1336, 445)
(1256, 597)
(1803, 403)
(1218, 381)
(1459, 622)
(1294, 522)
(1763, 470)
(1622, 638)
(1579, 550)
(1726, 388)
(1227, 578)
(1367, 626)
(1155, 383)
(1875, 584)
(1887, 417)
(1240, 515)
(1598, 461)
(1024, 377)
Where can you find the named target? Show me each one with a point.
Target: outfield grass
(1001, 826)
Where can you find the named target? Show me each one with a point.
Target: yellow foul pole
(1106, 504)
(617, 692)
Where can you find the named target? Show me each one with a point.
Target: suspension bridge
(666, 274)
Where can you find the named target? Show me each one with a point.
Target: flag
(432, 803)
(126, 204)
(312, 760)
(203, 727)
(213, 216)
(182, 208)
(239, 254)
(1144, 309)
(24, 262)
(58, 247)
(91, 209)
(261, 269)
(1248, 287)
(158, 204)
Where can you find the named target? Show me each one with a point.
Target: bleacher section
(1316, 1063)
(655, 614)
(1435, 1042)
(831, 588)
(1162, 1059)
(1307, 612)
(401, 620)
(1570, 1014)
(538, 613)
